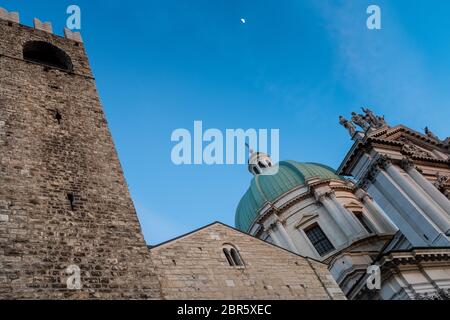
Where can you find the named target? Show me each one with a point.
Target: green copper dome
(267, 188)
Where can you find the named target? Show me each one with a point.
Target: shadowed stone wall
(195, 267)
(47, 160)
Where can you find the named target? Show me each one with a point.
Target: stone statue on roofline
(431, 134)
(367, 122)
(360, 121)
(447, 142)
(374, 121)
(347, 125)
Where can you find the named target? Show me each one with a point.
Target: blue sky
(294, 65)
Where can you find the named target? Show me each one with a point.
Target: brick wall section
(42, 161)
(194, 267)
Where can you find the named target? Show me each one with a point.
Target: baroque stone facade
(391, 214)
(405, 172)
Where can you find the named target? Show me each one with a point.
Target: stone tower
(63, 197)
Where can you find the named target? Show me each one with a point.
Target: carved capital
(363, 183)
(325, 195)
(373, 172)
(271, 223)
(363, 195)
(383, 161)
(407, 164)
(269, 226)
(369, 177)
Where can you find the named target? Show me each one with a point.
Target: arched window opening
(233, 257)
(256, 170)
(236, 258)
(261, 164)
(228, 256)
(47, 54)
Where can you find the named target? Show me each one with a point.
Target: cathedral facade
(387, 206)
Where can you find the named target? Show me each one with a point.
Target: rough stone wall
(41, 162)
(195, 267)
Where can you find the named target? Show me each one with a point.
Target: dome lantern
(258, 162)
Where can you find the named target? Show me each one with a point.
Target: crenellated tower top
(14, 17)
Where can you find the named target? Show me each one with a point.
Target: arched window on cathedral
(47, 54)
(233, 257)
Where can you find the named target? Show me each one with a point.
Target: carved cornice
(414, 256)
(382, 139)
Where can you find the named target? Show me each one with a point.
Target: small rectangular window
(319, 240)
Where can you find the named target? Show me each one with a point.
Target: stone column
(337, 216)
(437, 215)
(383, 223)
(286, 237)
(405, 215)
(426, 185)
(273, 234)
(353, 222)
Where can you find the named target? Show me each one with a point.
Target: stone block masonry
(195, 267)
(63, 197)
